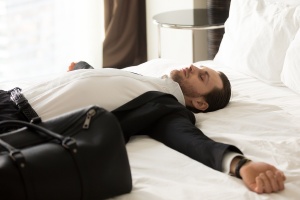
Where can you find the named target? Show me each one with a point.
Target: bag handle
(67, 142)
(17, 156)
(19, 159)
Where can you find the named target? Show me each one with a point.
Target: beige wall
(181, 45)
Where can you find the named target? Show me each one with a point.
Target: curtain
(125, 33)
(218, 11)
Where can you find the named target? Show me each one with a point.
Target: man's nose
(192, 67)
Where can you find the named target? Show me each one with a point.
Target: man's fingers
(280, 180)
(266, 183)
(269, 182)
(273, 180)
(259, 185)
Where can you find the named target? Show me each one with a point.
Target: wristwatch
(239, 165)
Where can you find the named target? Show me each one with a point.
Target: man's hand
(262, 178)
(71, 67)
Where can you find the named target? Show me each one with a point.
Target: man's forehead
(208, 68)
(203, 67)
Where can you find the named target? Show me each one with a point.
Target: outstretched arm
(183, 136)
(259, 177)
(165, 120)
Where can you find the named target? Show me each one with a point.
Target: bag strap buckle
(22, 103)
(70, 143)
(18, 157)
(17, 97)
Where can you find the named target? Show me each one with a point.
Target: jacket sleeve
(166, 120)
(177, 131)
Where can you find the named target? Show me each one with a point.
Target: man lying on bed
(148, 108)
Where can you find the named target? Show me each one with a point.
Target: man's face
(196, 81)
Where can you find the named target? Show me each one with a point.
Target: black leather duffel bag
(79, 155)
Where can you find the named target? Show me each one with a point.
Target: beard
(175, 76)
(186, 88)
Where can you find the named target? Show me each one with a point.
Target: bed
(262, 120)
(260, 55)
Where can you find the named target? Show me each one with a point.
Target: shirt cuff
(228, 157)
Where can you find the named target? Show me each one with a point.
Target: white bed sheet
(262, 120)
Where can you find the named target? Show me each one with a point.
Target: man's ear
(200, 103)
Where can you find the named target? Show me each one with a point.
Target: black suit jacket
(163, 118)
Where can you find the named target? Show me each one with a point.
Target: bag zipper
(88, 118)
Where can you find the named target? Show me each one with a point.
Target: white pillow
(290, 75)
(257, 35)
(288, 2)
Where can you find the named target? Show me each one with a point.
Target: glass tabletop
(192, 19)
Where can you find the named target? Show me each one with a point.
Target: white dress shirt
(107, 88)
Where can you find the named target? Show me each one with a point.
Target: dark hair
(217, 98)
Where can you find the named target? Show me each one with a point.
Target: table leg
(159, 42)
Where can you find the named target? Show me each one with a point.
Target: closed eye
(204, 77)
(201, 76)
